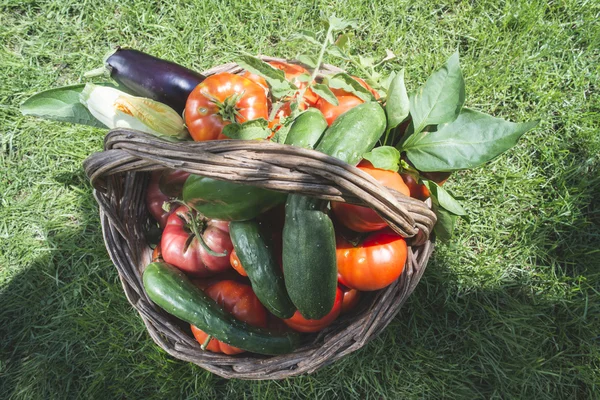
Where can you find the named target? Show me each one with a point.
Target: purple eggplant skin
(148, 76)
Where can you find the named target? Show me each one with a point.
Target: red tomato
(221, 99)
(301, 324)
(350, 298)
(372, 264)
(420, 191)
(237, 264)
(346, 102)
(181, 249)
(239, 300)
(171, 182)
(364, 219)
(155, 199)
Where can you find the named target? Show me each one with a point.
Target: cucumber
(307, 129)
(309, 262)
(171, 290)
(263, 271)
(354, 133)
(228, 201)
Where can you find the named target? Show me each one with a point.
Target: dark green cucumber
(354, 133)
(171, 290)
(309, 261)
(262, 269)
(228, 201)
(307, 129)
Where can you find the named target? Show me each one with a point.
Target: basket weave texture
(120, 175)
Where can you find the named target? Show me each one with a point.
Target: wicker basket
(120, 174)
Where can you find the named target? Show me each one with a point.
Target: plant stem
(318, 65)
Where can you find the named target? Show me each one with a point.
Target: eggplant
(148, 76)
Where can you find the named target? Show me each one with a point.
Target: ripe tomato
(350, 298)
(346, 102)
(221, 99)
(237, 264)
(372, 264)
(364, 219)
(155, 199)
(239, 300)
(301, 324)
(181, 248)
(420, 191)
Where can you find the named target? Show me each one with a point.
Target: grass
(510, 308)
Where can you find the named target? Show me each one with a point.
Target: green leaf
(304, 77)
(339, 24)
(388, 80)
(444, 227)
(254, 129)
(366, 61)
(471, 140)
(443, 198)
(384, 157)
(337, 52)
(441, 98)
(324, 91)
(348, 84)
(280, 87)
(307, 36)
(61, 104)
(307, 60)
(343, 41)
(397, 105)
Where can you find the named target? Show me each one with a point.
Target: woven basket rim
(119, 175)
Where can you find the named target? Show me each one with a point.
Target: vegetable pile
(248, 268)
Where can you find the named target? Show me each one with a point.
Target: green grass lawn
(510, 308)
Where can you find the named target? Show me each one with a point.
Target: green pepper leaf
(397, 105)
(441, 98)
(443, 198)
(280, 87)
(444, 227)
(348, 84)
(471, 140)
(61, 104)
(384, 157)
(324, 91)
(249, 130)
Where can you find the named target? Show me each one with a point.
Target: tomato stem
(196, 227)
(204, 345)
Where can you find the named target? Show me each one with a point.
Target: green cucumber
(171, 290)
(354, 133)
(262, 269)
(307, 129)
(228, 201)
(309, 261)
